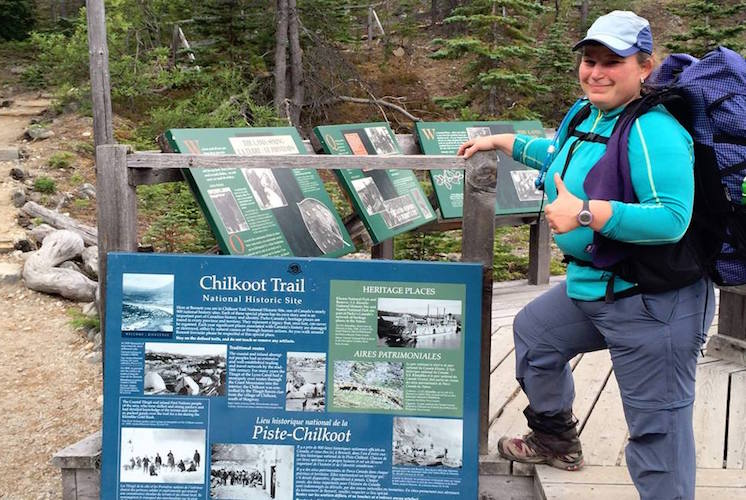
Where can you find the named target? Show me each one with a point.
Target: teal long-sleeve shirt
(661, 161)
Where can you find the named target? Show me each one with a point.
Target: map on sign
(389, 202)
(262, 211)
(516, 192)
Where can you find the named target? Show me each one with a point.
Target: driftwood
(40, 273)
(87, 233)
(40, 232)
(90, 261)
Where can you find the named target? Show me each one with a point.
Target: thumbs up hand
(562, 213)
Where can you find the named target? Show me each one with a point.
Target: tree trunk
(434, 12)
(584, 6)
(296, 64)
(281, 48)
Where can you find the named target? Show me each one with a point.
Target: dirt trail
(50, 392)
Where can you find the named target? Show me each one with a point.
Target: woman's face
(610, 80)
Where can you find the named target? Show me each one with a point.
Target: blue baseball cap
(622, 32)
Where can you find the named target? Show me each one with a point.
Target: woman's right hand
(503, 142)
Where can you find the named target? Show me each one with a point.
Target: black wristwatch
(585, 217)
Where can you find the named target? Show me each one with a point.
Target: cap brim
(613, 44)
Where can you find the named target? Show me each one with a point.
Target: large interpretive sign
(516, 192)
(284, 378)
(262, 211)
(389, 202)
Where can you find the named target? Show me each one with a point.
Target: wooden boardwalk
(719, 418)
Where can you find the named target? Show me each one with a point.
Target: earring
(642, 80)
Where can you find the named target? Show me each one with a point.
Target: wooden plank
(727, 348)
(732, 315)
(590, 377)
(69, 486)
(88, 482)
(715, 478)
(98, 58)
(626, 492)
(736, 450)
(605, 433)
(85, 454)
(501, 345)
(165, 161)
(477, 245)
(503, 386)
(506, 488)
(711, 394)
(539, 252)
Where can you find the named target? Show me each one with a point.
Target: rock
(18, 197)
(63, 200)
(24, 245)
(95, 358)
(97, 340)
(9, 273)
(398, 52)
(35, 196)
(87, 191)
(6, 103)
(37, 132)
(91, 335)
(90, 309)
(40, 232)
(90, 262)
(17, 173)
(9, 154)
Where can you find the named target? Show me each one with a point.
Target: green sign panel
(262, 211)
(389, 202)
(516, 193)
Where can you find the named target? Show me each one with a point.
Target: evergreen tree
(710, 24)
(498, 52)
(16, 19)
(556, 70)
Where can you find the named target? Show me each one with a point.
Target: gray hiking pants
(654, 341)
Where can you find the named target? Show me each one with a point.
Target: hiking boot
(539, 448)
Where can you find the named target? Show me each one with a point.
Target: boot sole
(555, 462)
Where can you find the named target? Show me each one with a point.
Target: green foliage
(76, 178)
(16, 19)
(45, 184)
(556, 69)
(81, 203)
(495, 53)
(710, 24)
(61, 159)
(177, 224)
(85, 148)
(80, 321)
(341, 204)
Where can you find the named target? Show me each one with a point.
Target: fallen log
(40, 273)
(56, 219)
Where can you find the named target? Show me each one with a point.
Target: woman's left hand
(562, 213)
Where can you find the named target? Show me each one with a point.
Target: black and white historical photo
(150, 455)
(228, 210)
(420, 323)
(428, 442)
(321, 225)
(251, 472)
(305, 383)
(263, 145)
(525, 185)
(147, 302)
(419, 198)
(473, 132)
(382, 141)
(185, 369)
(369, 385)
(264, 187)
(369, 195)
(399, 211)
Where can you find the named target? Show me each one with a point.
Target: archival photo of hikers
(276, 375)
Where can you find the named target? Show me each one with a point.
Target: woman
(653, 338)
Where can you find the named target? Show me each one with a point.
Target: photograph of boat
(419, 323)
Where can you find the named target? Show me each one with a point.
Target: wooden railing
(120, 171)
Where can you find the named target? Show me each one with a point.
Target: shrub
(45, 185)
(62, 159)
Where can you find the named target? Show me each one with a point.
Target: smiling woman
(653, 335)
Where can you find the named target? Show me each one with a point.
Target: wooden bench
(81, 469)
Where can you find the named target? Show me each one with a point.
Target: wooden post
(539, 252)
(117, 213)
(384, 250)
(477, 245)
(730, 341)
(98, 52)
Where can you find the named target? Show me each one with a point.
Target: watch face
(585, 218)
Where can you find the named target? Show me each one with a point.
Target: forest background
(314, 62)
